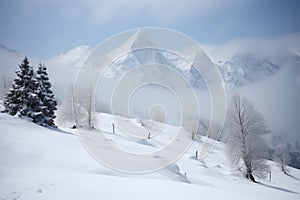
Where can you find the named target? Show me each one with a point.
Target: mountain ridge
(2, 46)
(240, 70)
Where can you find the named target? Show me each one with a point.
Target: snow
(41, 163)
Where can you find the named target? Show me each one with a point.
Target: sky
(45, 28)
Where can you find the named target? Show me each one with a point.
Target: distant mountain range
(238, 71)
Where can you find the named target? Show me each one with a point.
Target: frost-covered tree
(282, 157)
(3, 87)
(199, 128)
(245, 146)
(83, 107)
(90, 110)
(45, 94)
(65, 112)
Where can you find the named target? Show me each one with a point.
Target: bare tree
(197, 129)
(245, 147)
(157, 114)
(78, 113)
(90, 110)
(65, 112)
(83, 107)
(282, 157)
(200, 129)
(4, 86)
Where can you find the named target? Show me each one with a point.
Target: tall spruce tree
(32, 103)
(46, 96)
(16, 99)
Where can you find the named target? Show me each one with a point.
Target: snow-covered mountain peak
(80, 51)
(139, 40)
(244, 69)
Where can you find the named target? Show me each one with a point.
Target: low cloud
(264, 47)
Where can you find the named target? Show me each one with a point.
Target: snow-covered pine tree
(23, 98)
(31, 103)
(12, 100)
(16, 98)
(46, 96)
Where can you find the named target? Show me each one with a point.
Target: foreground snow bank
(39, 163)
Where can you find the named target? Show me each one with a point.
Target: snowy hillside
(39, 163)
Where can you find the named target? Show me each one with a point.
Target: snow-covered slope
(39, 163)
